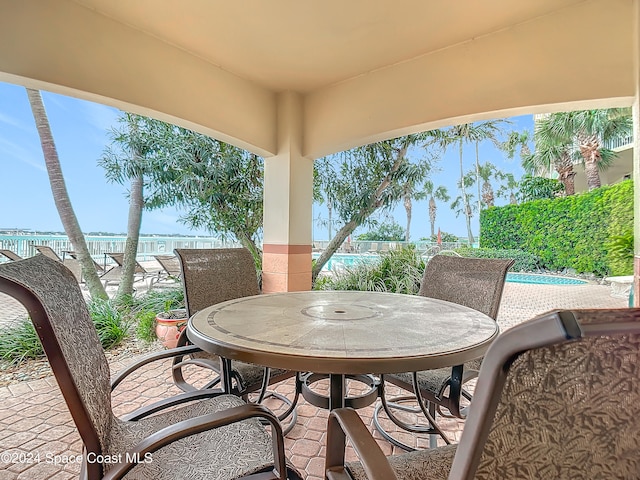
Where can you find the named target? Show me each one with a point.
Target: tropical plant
(586, 132)
(112, 326)
(488, 172)
(397, 271)
(459, 135)
(20, 342)
(61, 196)
(411, 191)
(434, 193)
(550, 154)
(365, 180)
(124, 160)
(508, 188)
(384, 232)
(620, 253)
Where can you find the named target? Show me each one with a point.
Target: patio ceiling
(360, 70)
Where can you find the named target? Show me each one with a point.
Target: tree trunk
(334, 244)
(136, 204)
(408, 208)
(468, 214)
(61, 196)
(590, 151)
(478, 178)
(330, 215)
(488, 197)
(374, 203)
(566, 174)
(432, 215)
(465, 201)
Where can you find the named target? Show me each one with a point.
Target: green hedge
(524, 261)
(570, 232)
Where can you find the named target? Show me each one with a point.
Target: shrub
(397, 271)
(112, 326)
(20, 342)
(571, 232)
(524, 261)
(146, 326)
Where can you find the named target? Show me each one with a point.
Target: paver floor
(35, 423)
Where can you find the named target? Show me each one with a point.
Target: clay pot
(169, 325)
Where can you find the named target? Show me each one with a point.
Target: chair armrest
(345, 422)
(171, 402)
(152, 357)
(200, 424)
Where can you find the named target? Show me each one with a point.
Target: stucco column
(288, 202)
(636, 157)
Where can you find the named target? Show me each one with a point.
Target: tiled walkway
(34, 419)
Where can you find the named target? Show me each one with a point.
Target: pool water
(543, 279)
(339, 260)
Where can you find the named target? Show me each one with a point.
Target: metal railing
(24, 245)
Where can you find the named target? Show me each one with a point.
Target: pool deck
(35, 419)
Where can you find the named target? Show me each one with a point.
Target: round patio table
(342, 333)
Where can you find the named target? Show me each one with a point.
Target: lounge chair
(140, 273)
(473, 282)
(214, 436)
(71, 263)
(211, 276)
(10, 255)
(48, 252)
(170, 265)
(557, 397)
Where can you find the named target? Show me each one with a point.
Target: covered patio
(293, 81)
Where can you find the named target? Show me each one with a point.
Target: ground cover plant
(397, 271)
(114, 320)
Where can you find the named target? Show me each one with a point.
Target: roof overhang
(363, 70)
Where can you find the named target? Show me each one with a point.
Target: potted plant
(169, 324)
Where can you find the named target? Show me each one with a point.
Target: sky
(81, 133)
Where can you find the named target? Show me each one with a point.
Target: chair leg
(425, 408)
(291, 411)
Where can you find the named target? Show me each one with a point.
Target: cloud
(13, 150)
(100, 116)
(15, 123)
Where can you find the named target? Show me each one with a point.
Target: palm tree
(415, 174)
(509, 185)
(61, 196)
(439, 193)
(547, 156)
(487, 172)
(459, 135)
(588, 131)
(124, 163)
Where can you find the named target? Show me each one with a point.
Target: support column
(288, 202)
(636, 158)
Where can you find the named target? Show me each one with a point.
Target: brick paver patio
(34, 419)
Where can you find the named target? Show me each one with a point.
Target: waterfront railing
(148, 246)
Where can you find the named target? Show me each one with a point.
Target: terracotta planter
(169, 325)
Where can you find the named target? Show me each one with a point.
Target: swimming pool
(543, 279)
(340, 260)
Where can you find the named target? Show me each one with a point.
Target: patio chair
(558, 397)
(211, 276)
(71, 263)
(10, 255)
(472, 282)
(214, 436)
(170, 265)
